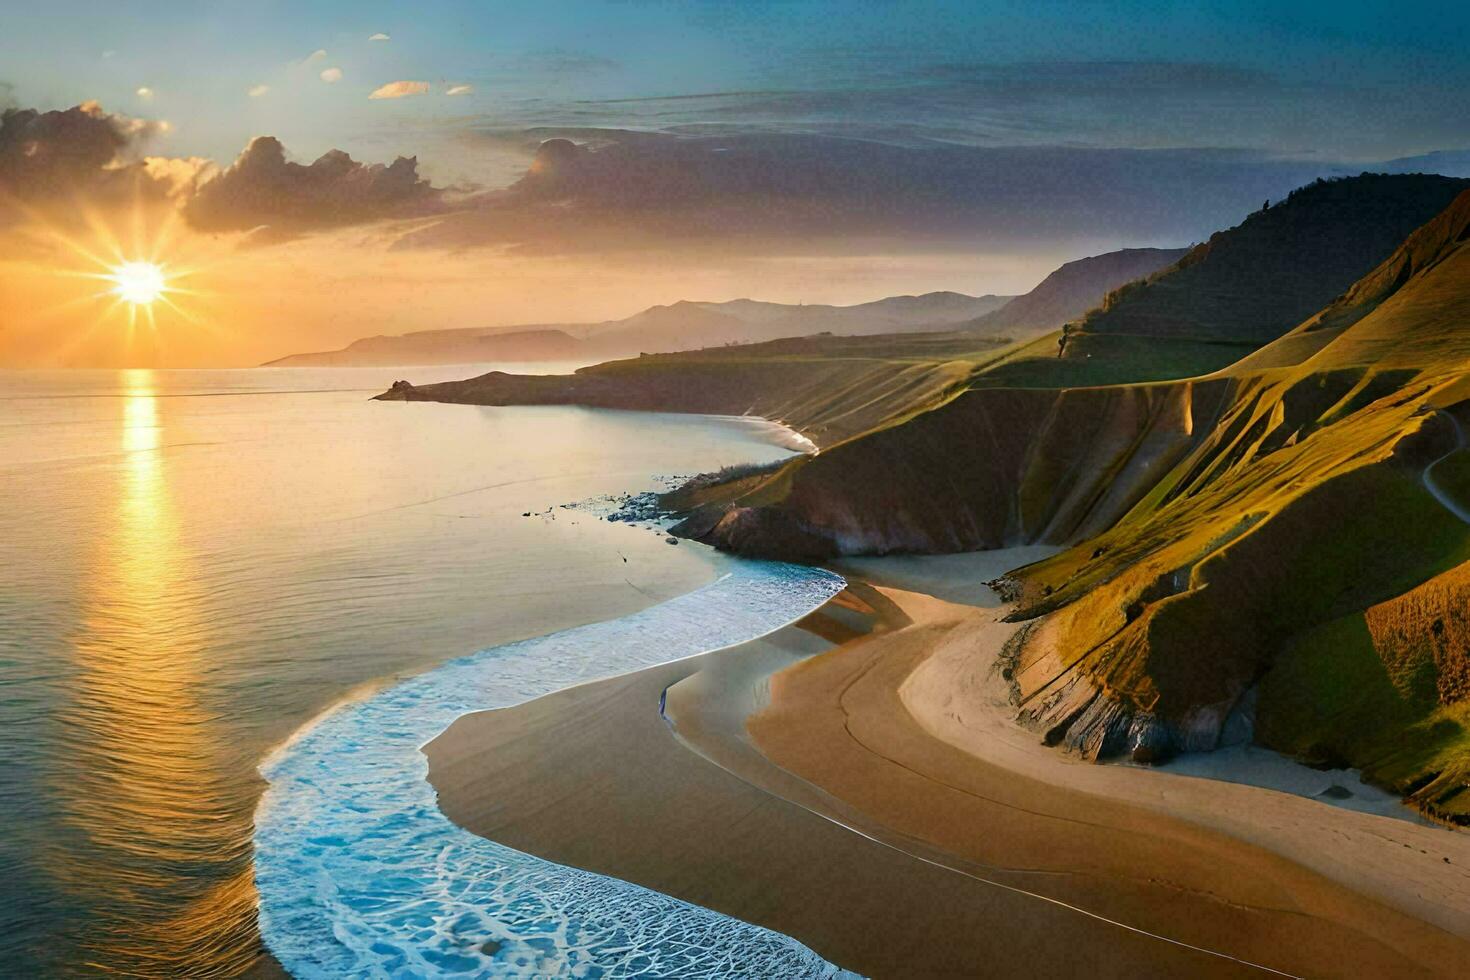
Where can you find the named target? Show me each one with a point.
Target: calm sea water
(195, 563)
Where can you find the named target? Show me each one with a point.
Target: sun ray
(145, 273)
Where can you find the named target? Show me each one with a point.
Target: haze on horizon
(307, 177)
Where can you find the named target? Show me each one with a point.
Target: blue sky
(1358, 81)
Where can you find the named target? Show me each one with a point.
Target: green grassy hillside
(828, 388)
(1276, 549)
(1252, 283)
(1297, 568)
(1232, 535)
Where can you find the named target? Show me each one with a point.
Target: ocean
(194, 565)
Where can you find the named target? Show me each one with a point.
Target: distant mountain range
(658, 329)
(1064, 295)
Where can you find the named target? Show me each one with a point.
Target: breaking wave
(360, 874)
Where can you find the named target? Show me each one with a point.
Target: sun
(139, 283)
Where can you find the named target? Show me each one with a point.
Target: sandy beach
(855, 782)
(594, 777)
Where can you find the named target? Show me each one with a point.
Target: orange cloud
(81, 152)
(263, 188)
(399, 90)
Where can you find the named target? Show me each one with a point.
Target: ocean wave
(360, 874)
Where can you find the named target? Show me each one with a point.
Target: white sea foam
(360, 874)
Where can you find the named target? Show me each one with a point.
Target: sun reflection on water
(145, 794)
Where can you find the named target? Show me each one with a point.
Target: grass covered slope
(828, 388)
(1246, 546)
(1303, 570)
(1252, 283)
(973, 470)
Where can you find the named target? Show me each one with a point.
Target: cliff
(1275, 552)
(827, 388)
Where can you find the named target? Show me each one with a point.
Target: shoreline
(597, 777)
(352, 789)
(747, 721)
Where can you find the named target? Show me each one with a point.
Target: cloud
(316, 55)
(811, 194)
(81, 153)
(263, 188)
(145, 93)
(331, 75)
(460, 90)
(399, 90)
(380, 36)
(886, 95)
(256, 91)
(179, 177)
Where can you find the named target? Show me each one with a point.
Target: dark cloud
(263, 188)
(885, 95)
(1091, 78)
(81, 153)
(609, 190)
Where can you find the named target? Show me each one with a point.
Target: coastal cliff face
(1300, 576)
(827, 388)
(991, 468)
(1274, 552)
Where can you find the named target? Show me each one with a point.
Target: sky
(571, 161)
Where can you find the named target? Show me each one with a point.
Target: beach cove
(841, 779)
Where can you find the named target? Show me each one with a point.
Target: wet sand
(976, 850)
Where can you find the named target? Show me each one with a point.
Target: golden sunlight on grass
(139, 283)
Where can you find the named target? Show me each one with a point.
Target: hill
(827, 387)
(1275, 551)
(445, 347)
(1075, 288)
(1252, 283)
(659, 329)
